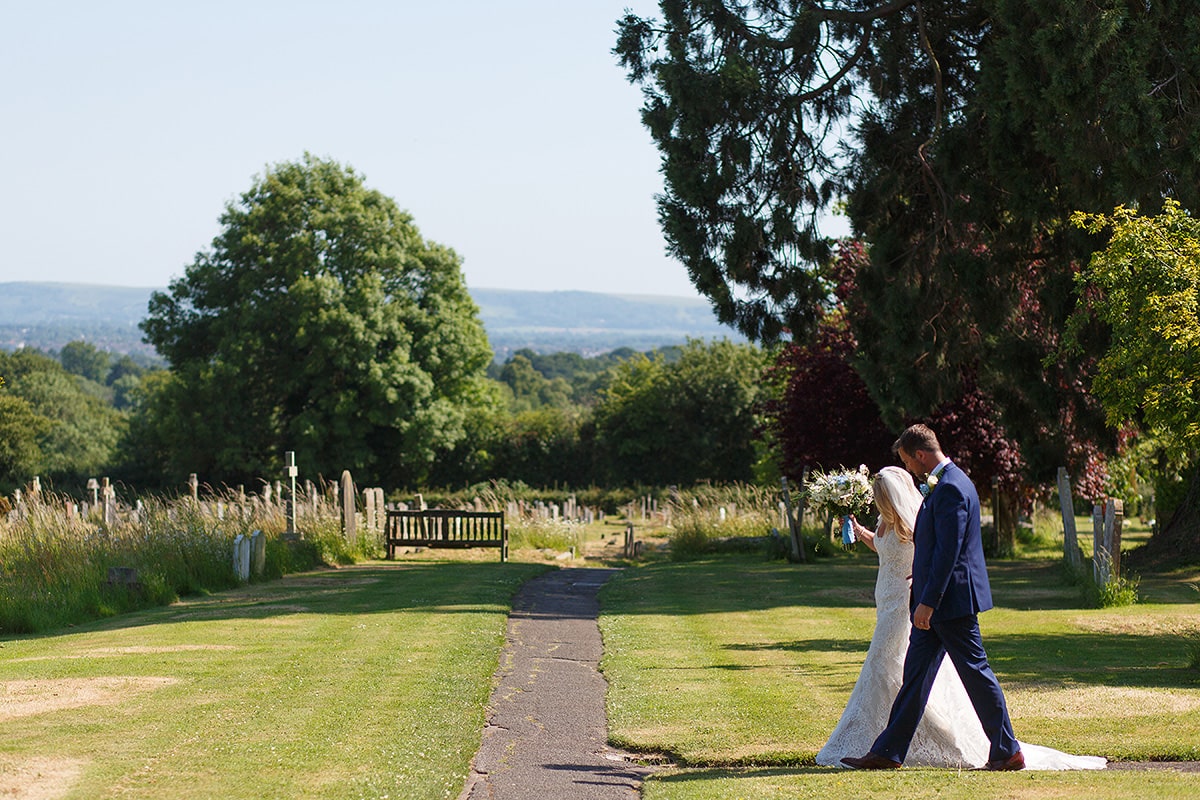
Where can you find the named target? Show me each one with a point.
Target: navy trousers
(960, 640)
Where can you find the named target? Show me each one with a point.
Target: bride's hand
(864, 535)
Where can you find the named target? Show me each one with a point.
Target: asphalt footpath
(545, 737)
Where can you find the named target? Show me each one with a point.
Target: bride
(949, 734)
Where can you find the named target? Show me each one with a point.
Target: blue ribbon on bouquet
(847, 532)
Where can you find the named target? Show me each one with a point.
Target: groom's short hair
(917, 437)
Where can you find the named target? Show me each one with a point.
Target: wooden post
(794, 521)
(1067, 505)
(194, 486)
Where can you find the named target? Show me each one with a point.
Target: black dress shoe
(1010, 764)
(871, 761)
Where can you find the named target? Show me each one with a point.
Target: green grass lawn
(738, 669)
(368, 681)
(371, 681)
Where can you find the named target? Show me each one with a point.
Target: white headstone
(241, 557)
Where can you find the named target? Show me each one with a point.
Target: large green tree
(961, 134)
(84, 358)
(1146, 285)
(319, 321)
(58, 426)
(682, 421)
(20, 427)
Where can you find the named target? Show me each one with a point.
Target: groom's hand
(922, 616)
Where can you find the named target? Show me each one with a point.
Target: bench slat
(446, 528)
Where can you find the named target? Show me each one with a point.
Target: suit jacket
(949, 573)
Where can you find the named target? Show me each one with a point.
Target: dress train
(949, 734)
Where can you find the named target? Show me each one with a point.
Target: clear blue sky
(507, 130)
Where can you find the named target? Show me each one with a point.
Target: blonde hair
(898, 500)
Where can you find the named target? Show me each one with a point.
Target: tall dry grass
(55, 565)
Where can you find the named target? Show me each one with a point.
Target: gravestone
(1099, 555)
(369, 508)
(258, 553)
(349, 522)
(110, 502)
(241, 557)
(1067, 505)
(1114, 513)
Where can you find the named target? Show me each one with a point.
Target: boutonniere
(928, 485)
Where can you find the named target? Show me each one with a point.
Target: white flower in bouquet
(841, 493)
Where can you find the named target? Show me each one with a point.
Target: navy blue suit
(950, 576)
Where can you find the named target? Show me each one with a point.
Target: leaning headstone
(1070, 539)
(349, 523)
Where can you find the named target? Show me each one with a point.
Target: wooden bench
(444, 528)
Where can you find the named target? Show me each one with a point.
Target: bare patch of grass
(23, 698)
(38, 777)
(1082, 701)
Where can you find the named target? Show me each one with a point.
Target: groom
(949, 589)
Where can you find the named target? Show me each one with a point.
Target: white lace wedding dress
(949, 734)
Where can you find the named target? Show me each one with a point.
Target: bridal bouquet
(842, 492)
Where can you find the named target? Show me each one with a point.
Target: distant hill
(48, 315)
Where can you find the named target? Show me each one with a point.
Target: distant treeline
(46, 316)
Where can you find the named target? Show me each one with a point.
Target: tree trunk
(1178, 541)
(1004, 518)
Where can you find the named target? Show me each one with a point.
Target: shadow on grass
(693, 775)
(807, 645)
(1104, 647)
(447, 587)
